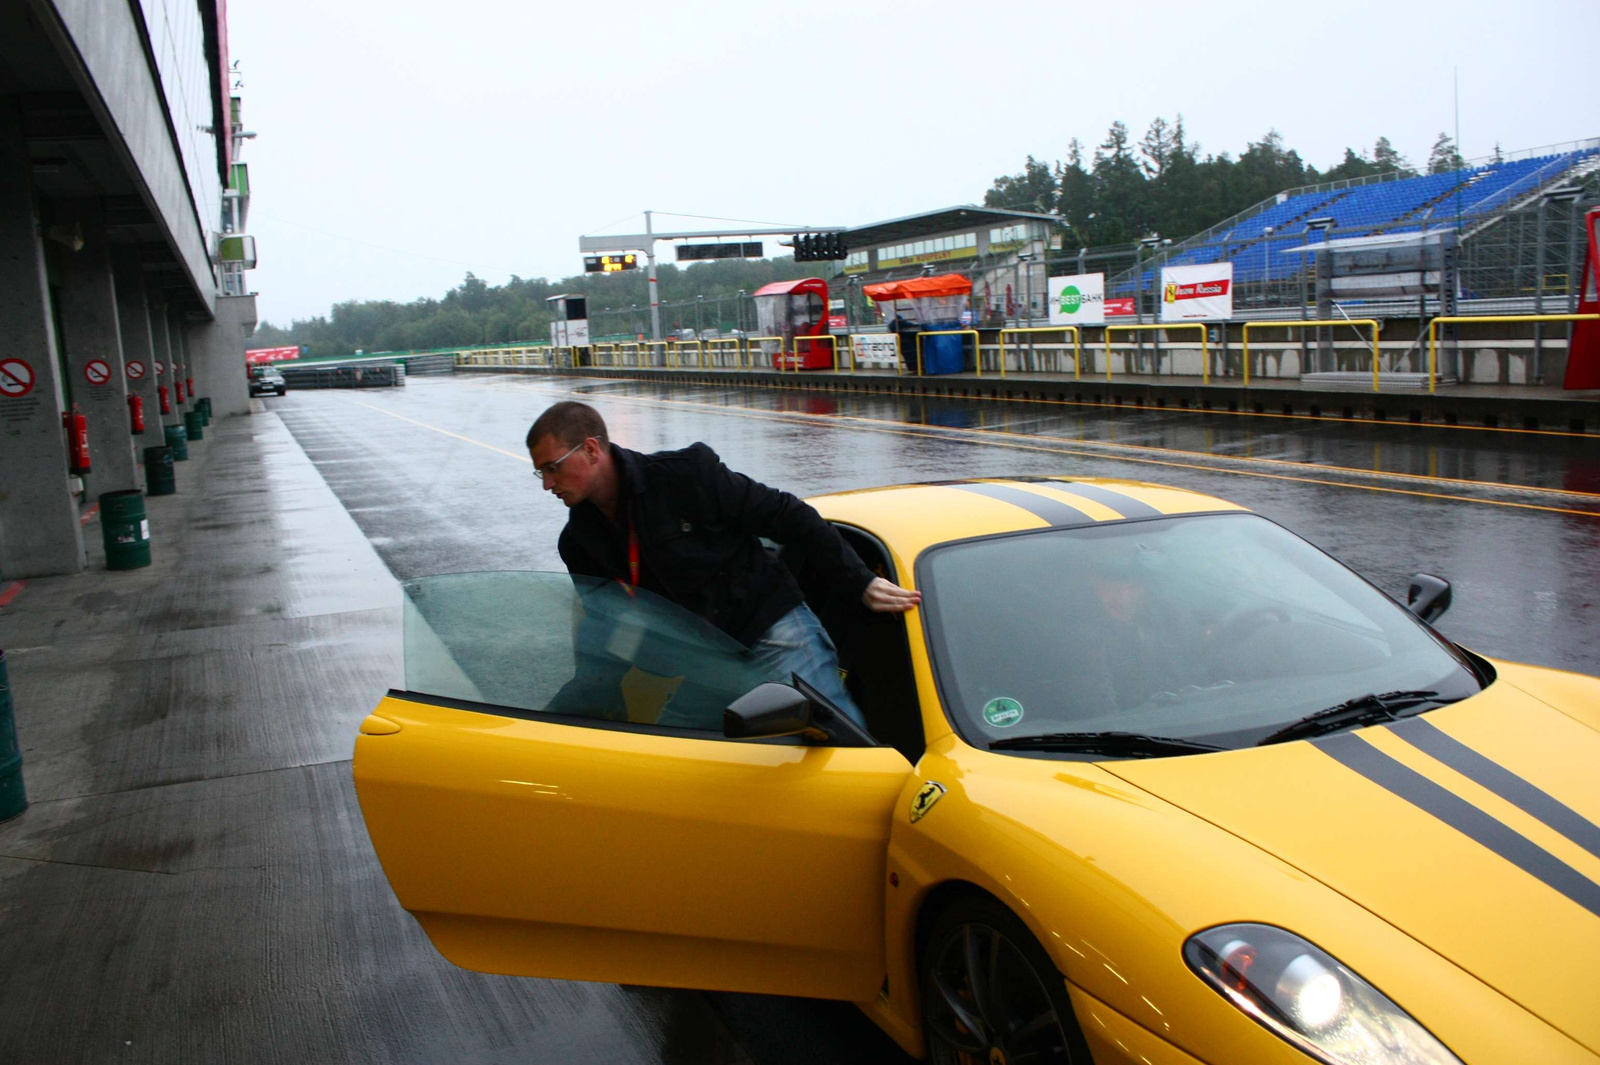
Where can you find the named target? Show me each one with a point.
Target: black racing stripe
(1428, 738)
(1125, 505)
(1360, 756)
(1052, 511)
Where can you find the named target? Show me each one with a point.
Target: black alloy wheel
(991, 995)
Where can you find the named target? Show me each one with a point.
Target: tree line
(1163, 186)
(1121, 192)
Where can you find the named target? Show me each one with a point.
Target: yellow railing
(833, 347)
(714, 344)
(977, 357)
(750, 346)
(1452, 319)
(1077, 345)
(1205, 349)
(609, 351)
(699, 353)
(650, 347)
(631, 348)
(1370, 322)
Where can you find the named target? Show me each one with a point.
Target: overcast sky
(403, 143)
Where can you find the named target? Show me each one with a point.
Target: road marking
(16, 378)
(96, 371)
(525, 457)
(11, 591)
(135, 369)
(89, 515)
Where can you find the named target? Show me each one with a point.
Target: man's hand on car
(889, 598)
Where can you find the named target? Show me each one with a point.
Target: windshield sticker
(1002, 712)
(923, 800)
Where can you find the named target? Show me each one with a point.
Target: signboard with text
(1197, 293)
(260, 355)
(1078, 299)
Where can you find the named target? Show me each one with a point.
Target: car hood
(1474, 828)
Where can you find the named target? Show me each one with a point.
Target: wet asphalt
(437, 477)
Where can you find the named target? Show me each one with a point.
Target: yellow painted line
(1407, 424)
(525, 457)
(1109, 446)
(926, 433)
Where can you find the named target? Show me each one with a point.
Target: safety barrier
(637, 358)
(1372, 322)
(712, 351)
(750, 347)
(650, 353)
(1454, 319)
(1077, 345)
(977, 341)
(1205, 350)
(833, 348)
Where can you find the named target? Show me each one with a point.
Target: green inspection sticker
(1002, 712)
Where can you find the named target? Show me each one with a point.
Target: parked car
(268, 382)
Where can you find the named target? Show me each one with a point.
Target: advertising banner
(1197, 293)
(1078, 299)
(1121, 308)
(259, 355)
(878, 351)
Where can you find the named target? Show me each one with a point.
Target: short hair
(571, 423)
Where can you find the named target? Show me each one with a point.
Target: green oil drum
(203, 405)
(13, 800)
(125, 528)
(159, 478)
(178, 441)
(194, 423)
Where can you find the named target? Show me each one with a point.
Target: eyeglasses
(549, 468)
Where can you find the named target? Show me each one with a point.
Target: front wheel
(991, 995)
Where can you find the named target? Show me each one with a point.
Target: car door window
(575, 647)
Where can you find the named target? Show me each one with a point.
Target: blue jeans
(797, 643)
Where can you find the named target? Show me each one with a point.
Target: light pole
(1324, 226)
(699, 302)
(1152, 242)
(738, 311)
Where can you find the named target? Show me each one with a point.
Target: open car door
(553, 796)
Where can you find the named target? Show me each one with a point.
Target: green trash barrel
(159, 478)
(13, 800)
(178, 441)
(125, 528)
(193, 422)
(203, 405)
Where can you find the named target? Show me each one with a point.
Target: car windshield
(551, 643)
(1213, 628)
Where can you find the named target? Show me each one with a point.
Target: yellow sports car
(1149, 779)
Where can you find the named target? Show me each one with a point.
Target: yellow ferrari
(1146, 779)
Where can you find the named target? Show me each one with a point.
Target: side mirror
(767, 710)
(1428, 596)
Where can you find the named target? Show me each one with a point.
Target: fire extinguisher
(177, 387)
(188, 382)
(136, 414)
(77, 427)
(166, 404)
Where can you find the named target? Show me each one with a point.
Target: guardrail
(1373, 322)
(750, 347)
(977, 341)
(1456, 319)
(699, 352)
(1205, 350)
(715, 343)
(1077, 345)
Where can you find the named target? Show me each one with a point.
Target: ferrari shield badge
(926, 796)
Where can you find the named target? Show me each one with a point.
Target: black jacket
(698, 524)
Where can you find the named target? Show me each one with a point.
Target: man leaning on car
(684, 526)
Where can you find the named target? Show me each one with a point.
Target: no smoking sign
(96, 371)
(16, 378)
(135, 369)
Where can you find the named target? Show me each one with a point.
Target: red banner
(1120, 308)
(260, 355)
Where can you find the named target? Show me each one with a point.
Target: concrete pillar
(138, 350)
(39, 530)
(93, 344)
(216, 349)
(161, 340)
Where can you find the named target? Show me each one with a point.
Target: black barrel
(194, 423)
(125, 528)
(159, 479)
(13, 799)
(203, 405)
(178, 441)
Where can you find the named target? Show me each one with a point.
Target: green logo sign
(1071, 300)
(1002, 712)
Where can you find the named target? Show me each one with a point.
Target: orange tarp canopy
(919, 287)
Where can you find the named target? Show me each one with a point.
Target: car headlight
(1308, 998)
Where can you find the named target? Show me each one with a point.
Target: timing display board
(737, 250)
(610, 264)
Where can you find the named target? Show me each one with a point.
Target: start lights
(610, 264)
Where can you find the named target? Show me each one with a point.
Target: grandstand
(1469, 201)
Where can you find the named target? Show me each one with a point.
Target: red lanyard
(633, 553)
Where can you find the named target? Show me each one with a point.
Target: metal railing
(716, 343)
(1372, 322)
(1077, 345)
(1205, 349)
(1457, 319)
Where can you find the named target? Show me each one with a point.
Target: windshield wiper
(1125, 743)
(1368, 709)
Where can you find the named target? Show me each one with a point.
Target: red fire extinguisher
(136, 414)
(177, 386)
(166, 404)
(188, 382)
(77, 427)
